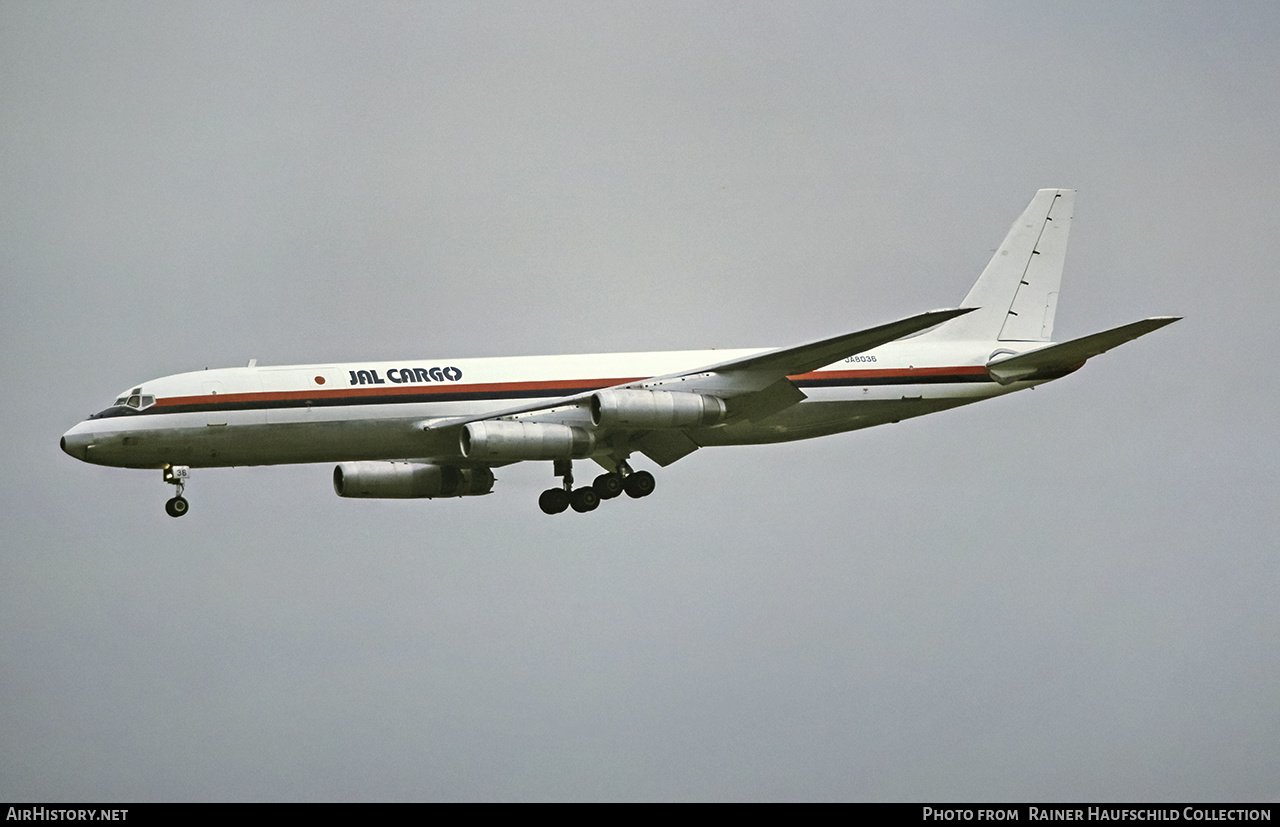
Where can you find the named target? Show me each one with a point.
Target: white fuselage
(376, 410)
(437, 428)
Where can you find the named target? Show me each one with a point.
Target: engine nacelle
(501, 441)
(409, 480)
(655, 409)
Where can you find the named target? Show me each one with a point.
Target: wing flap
(756, 406)
(665, 447)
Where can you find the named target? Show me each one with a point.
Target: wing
(791, 361)
(653, 415)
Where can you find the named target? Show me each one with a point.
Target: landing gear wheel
(584, 500)
(640, 484)
(177, 476)
(553, 500)
(608, 486)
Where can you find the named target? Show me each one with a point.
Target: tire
(553, 500)
(584, 500)
(608, 486)
(176, 507)
(640, 484)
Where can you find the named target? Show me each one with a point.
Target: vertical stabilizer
(1017, 293)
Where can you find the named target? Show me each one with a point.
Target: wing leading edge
(790, 361)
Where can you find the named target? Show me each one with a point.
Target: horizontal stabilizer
(1057, 360)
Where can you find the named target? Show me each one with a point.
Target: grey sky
(1064, 594)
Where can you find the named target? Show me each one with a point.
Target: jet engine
(655, 409)
(407, 480)
(511, 441)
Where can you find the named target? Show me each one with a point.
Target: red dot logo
(319, 380)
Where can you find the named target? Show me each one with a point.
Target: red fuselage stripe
(566, 387)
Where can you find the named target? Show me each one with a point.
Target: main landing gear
(176, 475)
(635, 484)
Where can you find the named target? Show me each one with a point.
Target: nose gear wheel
(177, 476)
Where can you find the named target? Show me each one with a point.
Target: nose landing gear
(177, 476)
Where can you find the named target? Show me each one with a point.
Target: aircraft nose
(75, 443)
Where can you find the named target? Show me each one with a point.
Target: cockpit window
(134, 401)
(137, 401)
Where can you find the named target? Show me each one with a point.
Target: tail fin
(1017, 294)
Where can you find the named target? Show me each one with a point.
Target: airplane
(438, 427)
